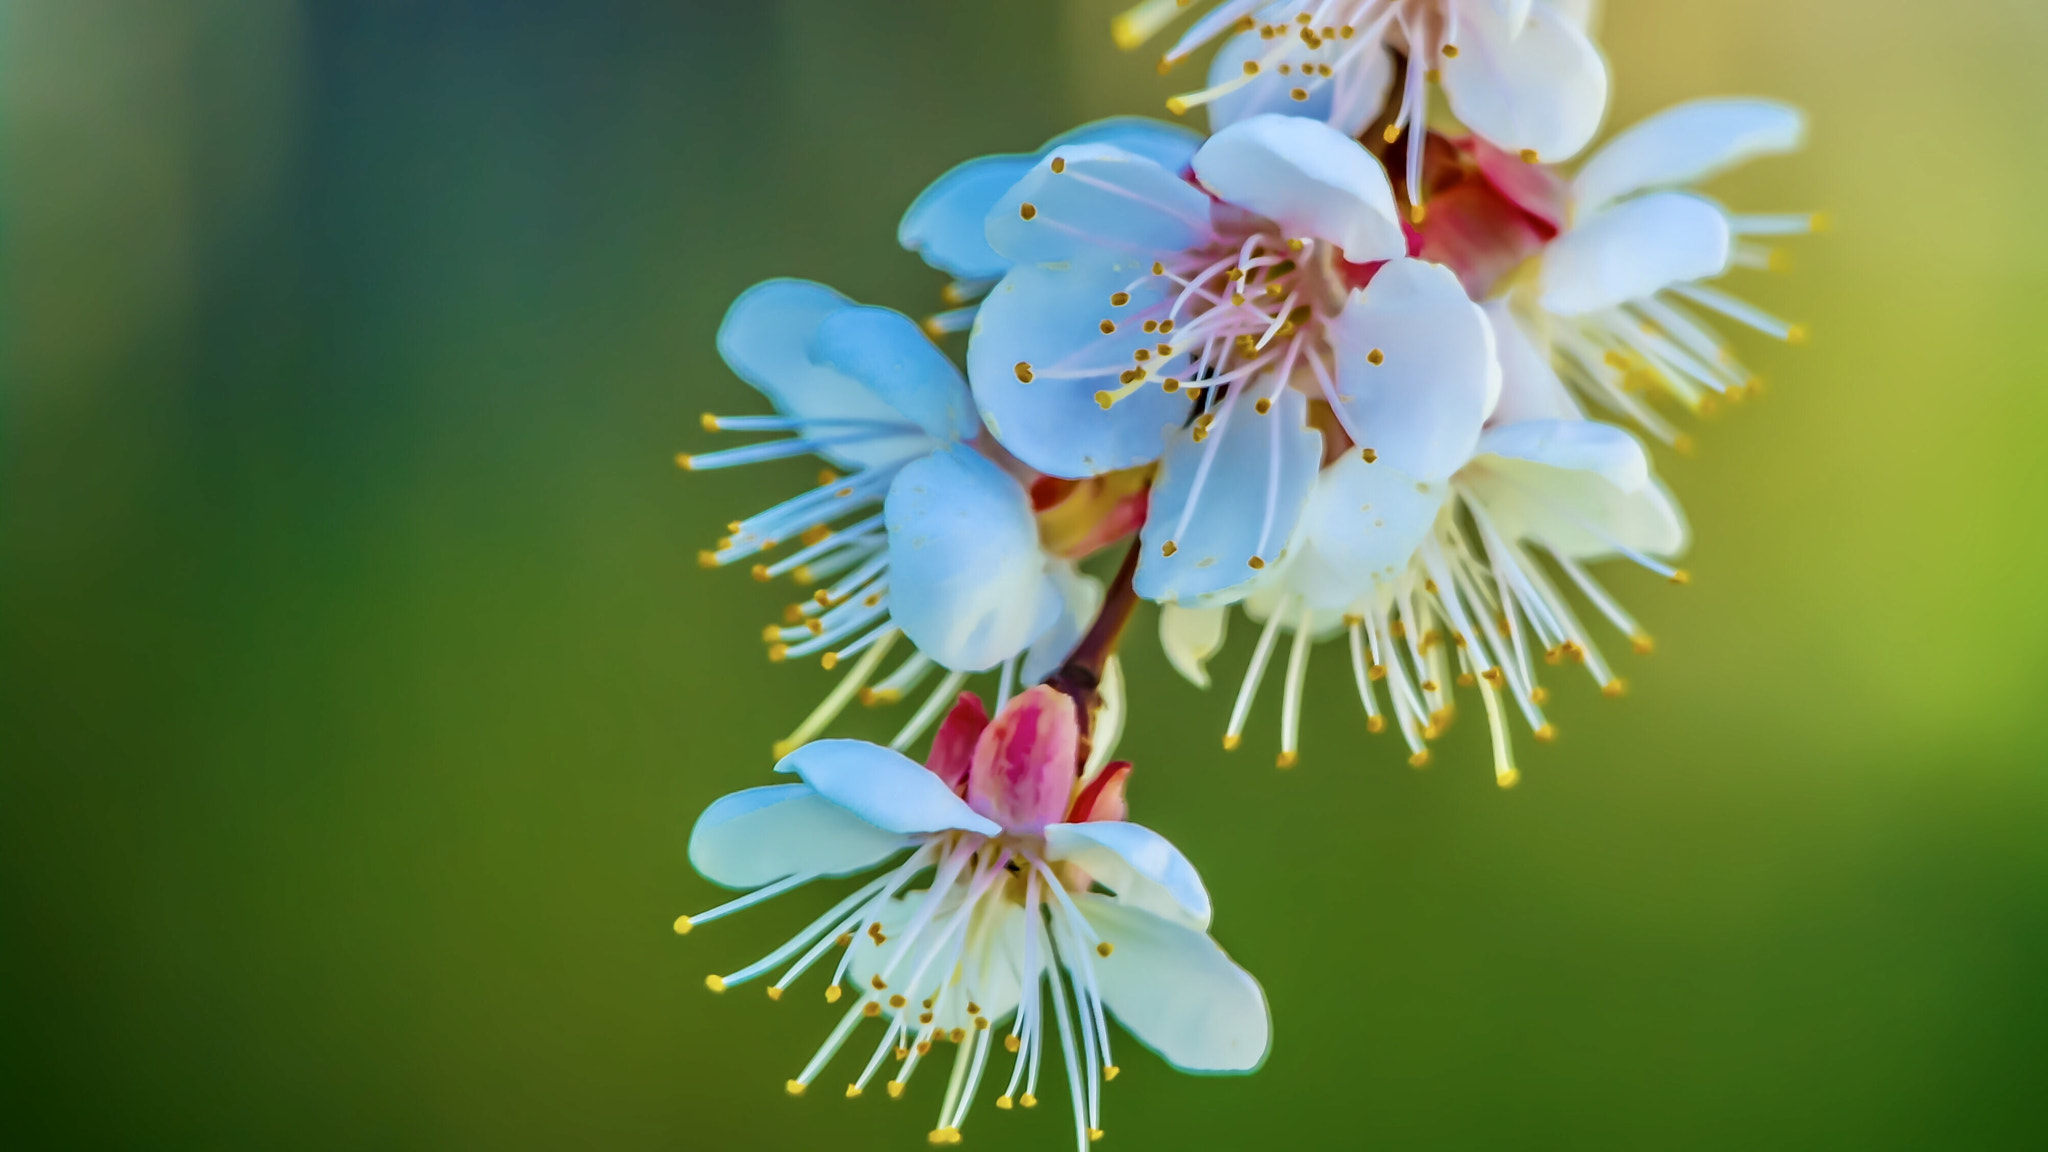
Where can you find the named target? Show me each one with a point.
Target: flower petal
(883, 787)
(1543, 89)
(1190, 636)
(760, 835)
(1177, 992)
(1421, 406)
(967, 582)
(1081, 199)
(1581, 487)
(1039, 356)
(1685, 144)
(1170, 146)
(1633, 250)
(1080, 597)
(765, 338)
(988, 971)
(1529, 386)
(946, 223)
(1362, 527)
(1227, 505)
(1347, 101)
(1142, 867)
(892, 357)
(1307, 177)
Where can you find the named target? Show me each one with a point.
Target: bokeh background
(361, 686)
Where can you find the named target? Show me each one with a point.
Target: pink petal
(953, 747)
(1103, 797)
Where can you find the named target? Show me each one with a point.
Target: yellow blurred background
(361, 686)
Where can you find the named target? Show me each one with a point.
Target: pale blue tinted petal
(1228, 499)
(1420, 406)
(1084, 198)
(1080, 597)
(1362, 526)
(1529, 386)
(1634, 249)
(1347, 101)
(888, 353)
(1307, 177)
(1170, 146)
(1176, 991)
(1046, 323)
(1142, 867)
(945, 224)
(1686, 144)
(883, 787)
(967, 580)
(766, 338)
(761, 835)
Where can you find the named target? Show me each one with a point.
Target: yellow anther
(1285, 760)
(871, 1009)
(794, 1087)
(1390, 133)
(1012, 1042)
(829, 660)
(1119, 299)
(1375, 357)
(1028, 1100)
(852, 1090)
(1005, 1103)
(1230, 743)
(1642, 643)
(782, 748)
(1109, 1071)
(957, 1035)
(1420, 759)
(683, 461)
(1417, 214)
(880, 984)
(1509, 778)
(1104, 949)
(1105, 398)
(1094, 1134)
(1059, 164)
(1168, 548)
(1298, 94)
(709, 422)
(897, 1001)
(1108, 327)
(832, 994)
(1796, 334)
(715, 983)
(1681, 576)
(895, 1089)
(1614, 687)
(682, 925)
(1529, 156)
(774, 993)
(1450, 51)
(1547, 733)
(1375, 724)
(1024, 371)
(1539, 695)
(1820, 222)
(1256, 563)
(1264, 405)
(1027, 210)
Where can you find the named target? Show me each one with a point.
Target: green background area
(361, 685)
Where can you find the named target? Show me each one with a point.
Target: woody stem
(1081, 676)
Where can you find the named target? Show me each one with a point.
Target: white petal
(1142, 867)
(1189, 637)
(1259, 472)
(761, 835)
(883, 787)
(1307, 177)
(1686, 144)
(1529, 386)
(1176, 991)
(1635, 249)
(967, 581)
(1085, 198)
(1362, 528)
(1543, 89)
(1347, 101)
(1580, 487)
(1170, 146)
(1421, 407)
(1080, 597)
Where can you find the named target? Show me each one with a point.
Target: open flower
(1044, 911)
(953, 561)
(1439, 584)
(1211, 320)
(1621, 295)
(1523, 74)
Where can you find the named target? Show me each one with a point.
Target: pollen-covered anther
(1028, 1100)
(794, 1087)
(880, 984)
(709, 422)
(1108, 327)
(1450, 51)
(682, 925)
(1547, 733)
(1264, 405)
(1642, 643)
(1298, 94)
(1368, 455)
(1168, 548)
(1104, 949)
(833, 993)
(1027, 210)
(1681, 576)
(1119, 299)
(1256, 562)
(1059, 164)
(871, 1009)
(1375, 357)
(774, 993)
(1012, 1042)
(1230, 742)
(683, 461)
(897, 1001)
(1286, 760)
(895, 1089)
(1094, 1134)
(715, 983)
(1614, 687)
(1005, 1103)
(1023, 372)
(1420, 759)
(1529, 156)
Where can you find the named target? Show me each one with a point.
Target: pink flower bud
(1026, 762)
(953, 747)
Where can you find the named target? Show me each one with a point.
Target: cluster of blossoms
(1364, 373)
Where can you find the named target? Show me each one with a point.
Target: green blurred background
(361, 686)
